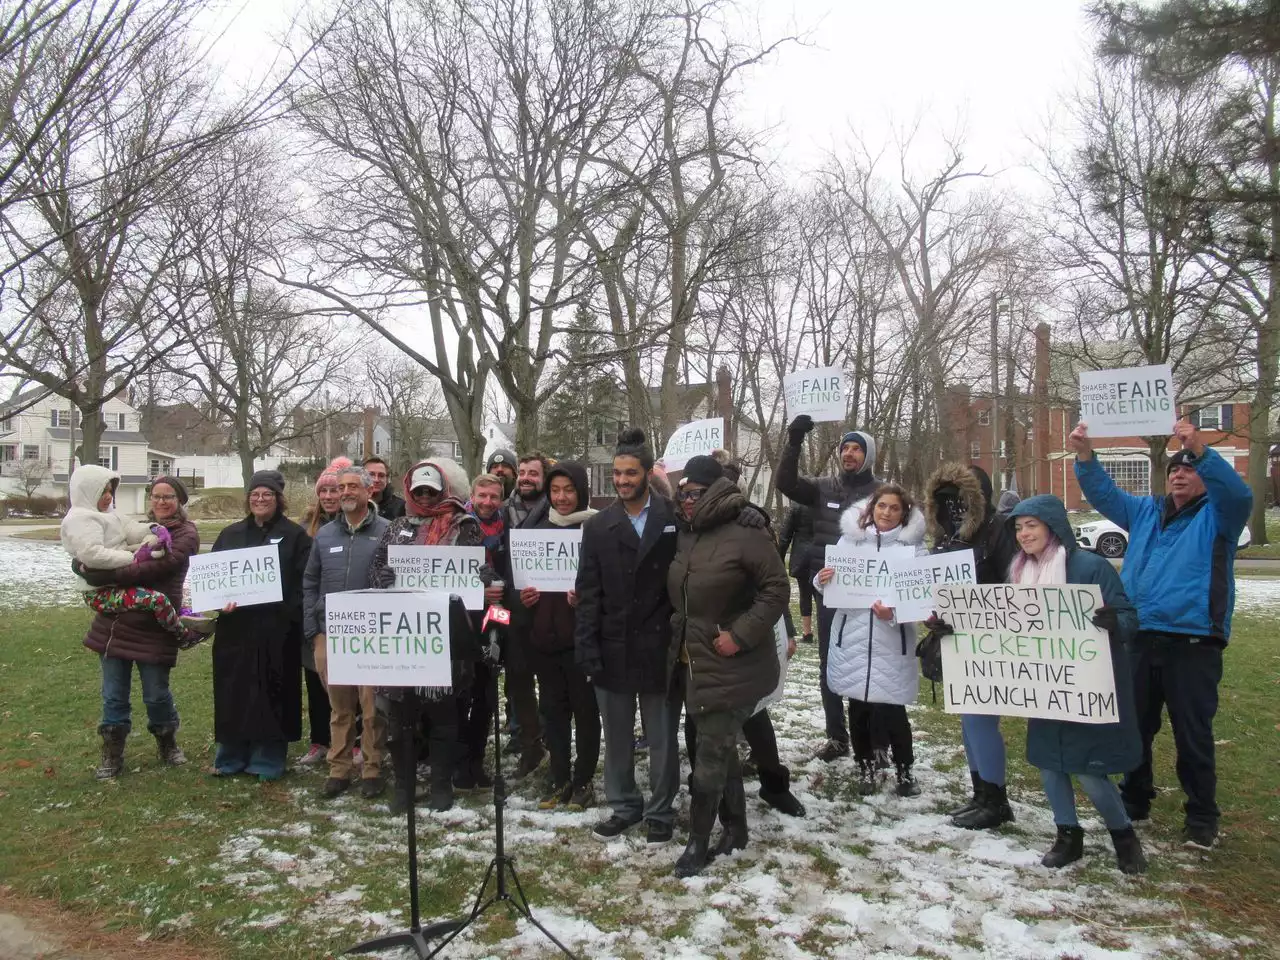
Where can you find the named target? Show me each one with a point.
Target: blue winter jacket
(1179, 569)
(1095, 748)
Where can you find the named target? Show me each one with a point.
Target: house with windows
(424, 437)
(1030, 452)
(39, 448)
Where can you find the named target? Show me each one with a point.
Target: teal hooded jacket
(1092, 748)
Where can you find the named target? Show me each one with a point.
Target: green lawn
(209, 529)
(268, 870)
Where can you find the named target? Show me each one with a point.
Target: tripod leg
(522, 905)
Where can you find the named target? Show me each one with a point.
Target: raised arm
(1096, 484)
(790, 483)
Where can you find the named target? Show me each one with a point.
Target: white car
(1108, 540)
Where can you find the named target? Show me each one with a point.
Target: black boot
(112, 763)
(907, 786)
(1129, 855)
(775, 790)
(992, 810)
(733, 818)
(702, 814)
(973, 800)
(867, 780)
(167, 744)
(1068, 848)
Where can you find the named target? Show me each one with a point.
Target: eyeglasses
(691, 496)
(260, 497)
(163, 497)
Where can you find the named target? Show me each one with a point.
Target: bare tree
(410, 400)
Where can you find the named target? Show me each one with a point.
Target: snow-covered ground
(877, 877)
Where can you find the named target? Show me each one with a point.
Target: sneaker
(554, 795)
(583, 798)
(1200, 836)
(612, 828)
(658, 833)
(832, 750)
(334, 786)
(313, 756)
(372, 787)
(640, 744)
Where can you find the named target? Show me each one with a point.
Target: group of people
(680, 606)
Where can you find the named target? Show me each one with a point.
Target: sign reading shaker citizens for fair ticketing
(1133, 402)
(914, 580)
(244, 577)
(692, 439)
(440, 569)
(546, 559)
(818, 393)
(863, 575)
(388, 638)
(1026, 652)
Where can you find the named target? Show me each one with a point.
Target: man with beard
(827, 498)
(525, 509)
(390, 506)
(621, 636)
(340, 559)
(502, 464)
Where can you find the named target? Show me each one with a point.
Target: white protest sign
(244, 577)
(862, 575)
(914, 579)
(818, 392)
(780, 643)
(388, 638)
(1027, 652)
(1134, 402)
(691, 439)
(546, 559)
(440, 570)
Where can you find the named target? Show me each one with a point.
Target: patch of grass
(209, 530)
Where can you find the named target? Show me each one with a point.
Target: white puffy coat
(101, 541)
(870, 659)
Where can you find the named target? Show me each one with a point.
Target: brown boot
(112, 763)
(167, 744)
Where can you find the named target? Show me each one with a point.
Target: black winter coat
(257, 651)
(827, 497)
(797, 536)
(623, 629)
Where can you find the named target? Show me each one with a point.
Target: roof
(109, 436)
(25, 397)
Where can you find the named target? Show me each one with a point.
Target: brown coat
(137, 635)
(730, 577)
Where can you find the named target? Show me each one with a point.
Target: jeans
(1181, 673)
(661, 717)
(117, 679)
(262, 758)
(984, 746)
(1102, 791)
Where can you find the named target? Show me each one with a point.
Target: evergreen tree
(587, 406)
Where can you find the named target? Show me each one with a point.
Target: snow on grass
(858, 877)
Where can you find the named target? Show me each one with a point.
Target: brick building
(1033, 431)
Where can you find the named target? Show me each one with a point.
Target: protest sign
(440, 570)
(862, 575)
(1133, 402)
(914, 579)
(388, 638)
(1026, 652)
(546, 559)
(691, 439)
(244, 577)
(780, 642)
(818, 392)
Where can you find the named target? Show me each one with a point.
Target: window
(984, 419)
(120, 419)
(1004, 449)
(377, 449)
(64, 418)
(109, 457)
(6, 424)
(975, 450)
(1214, 417)
(8, 451)
(457, 451)
(30, 451)
(599, 435)
(1131, 474)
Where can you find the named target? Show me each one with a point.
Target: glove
(750, 517)
(936, 625)
(797, 429)
(592, 669)
(1106, 618)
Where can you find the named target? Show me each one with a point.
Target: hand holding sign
(817, 393)
(1079, 443)
(1189, 436)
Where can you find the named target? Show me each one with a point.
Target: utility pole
(995, 396)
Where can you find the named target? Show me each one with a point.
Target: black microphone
(496, 619)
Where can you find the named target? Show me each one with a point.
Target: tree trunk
(1158, 451)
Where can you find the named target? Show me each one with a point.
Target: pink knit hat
(331, 471)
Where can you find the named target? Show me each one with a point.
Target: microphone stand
(501, 866)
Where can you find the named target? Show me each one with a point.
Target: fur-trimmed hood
(911, 533)
(976, 504)
(455, 479)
